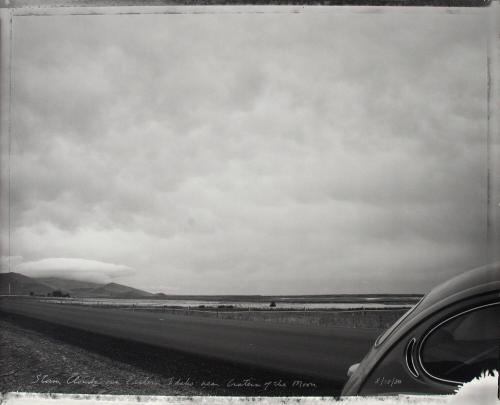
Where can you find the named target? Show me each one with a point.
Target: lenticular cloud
(74, 268)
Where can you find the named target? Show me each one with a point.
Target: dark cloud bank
(318, 152)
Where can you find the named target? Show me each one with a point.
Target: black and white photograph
(250, 201)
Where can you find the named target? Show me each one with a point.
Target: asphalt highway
(304, 350)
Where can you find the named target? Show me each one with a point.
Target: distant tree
(272, 304)
(58, 293)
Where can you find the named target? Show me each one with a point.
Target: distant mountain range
(19, 284)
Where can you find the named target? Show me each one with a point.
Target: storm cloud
(74, 269)
(315, 152)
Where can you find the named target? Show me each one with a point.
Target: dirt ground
(32, 361)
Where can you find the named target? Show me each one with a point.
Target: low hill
(81, 292)
(115, 290)
(68, 285)
(19, 284)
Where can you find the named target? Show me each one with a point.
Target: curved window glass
(464, 346)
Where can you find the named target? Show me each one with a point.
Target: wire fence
(371, 318)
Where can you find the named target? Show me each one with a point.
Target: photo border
(11, 9)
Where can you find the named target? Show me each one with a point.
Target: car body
(451, 336)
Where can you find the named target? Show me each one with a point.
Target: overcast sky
(316, 152)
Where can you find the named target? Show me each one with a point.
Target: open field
(373, 319)
(261, 303)
(374, 316)
(361, 314)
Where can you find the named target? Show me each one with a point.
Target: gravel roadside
(34, 362)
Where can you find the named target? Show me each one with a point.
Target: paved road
(303, 350)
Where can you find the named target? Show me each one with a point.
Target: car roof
(472, 282)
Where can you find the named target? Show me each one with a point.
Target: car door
(449, 347)
(463, 346)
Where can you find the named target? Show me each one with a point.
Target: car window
(463, 347)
